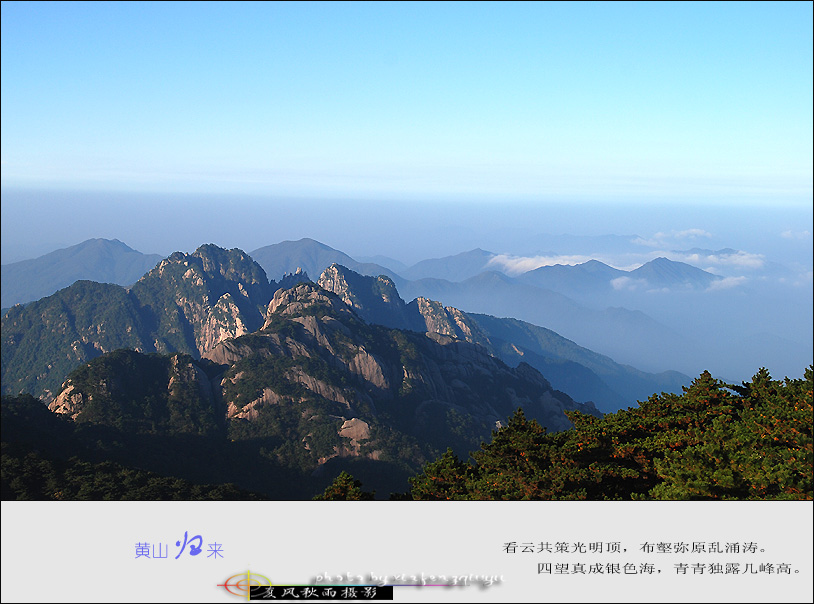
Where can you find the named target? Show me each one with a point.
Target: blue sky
(411, 101)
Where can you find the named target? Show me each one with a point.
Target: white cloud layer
(516, 265)
(795, 234)
(691, 233)
(661, 239)
(726, 283)
(739, 259)
(628, 284)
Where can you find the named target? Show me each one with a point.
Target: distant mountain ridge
(609, 330)
(589, 277)
(662, 272)
(451, 268)
(312, 257)
(187, 303)
(100, 260)
(577, 370)
(587, 303)
(190, 302)
(663, 315)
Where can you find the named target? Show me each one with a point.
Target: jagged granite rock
(155, 394)
(203, 298)
(187, 303)
(305, 298)
(290, 280)
(318, 386)
(355, 429)
(584, 374)
(374, 299)
(448, 321)
(316, 352)
(68, 402)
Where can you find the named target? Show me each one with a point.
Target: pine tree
(345, 488)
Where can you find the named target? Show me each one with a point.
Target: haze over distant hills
(452, 268)
(311, 256)
(656, 314)
(583, 373)
(101, 260)
(191, 302)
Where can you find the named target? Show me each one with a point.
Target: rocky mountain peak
(305, 299)
(663, 272)
(374, 299)
(447, 321)
(204, 297)
(289, 280)
(232, 265)
(213, 266)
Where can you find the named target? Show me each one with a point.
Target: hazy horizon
(34, 222)
(759, 315)
(408, 130)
